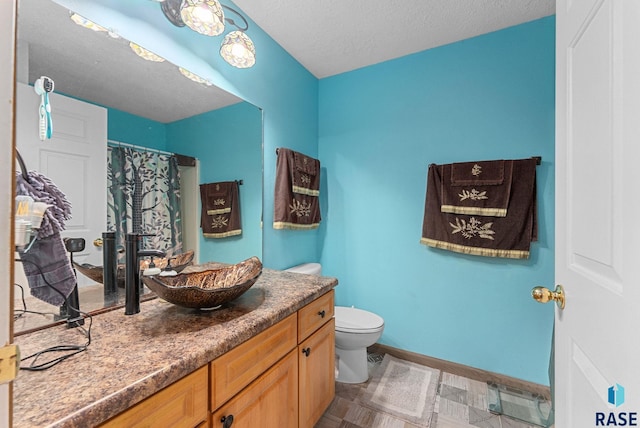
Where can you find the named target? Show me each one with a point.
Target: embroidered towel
(508, 236)
(220, 214)
(306, 174)
(296, 204)
(480, 188)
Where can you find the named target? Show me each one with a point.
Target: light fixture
(203, 16)
(238, 50)
(207, 17)
(144, 53)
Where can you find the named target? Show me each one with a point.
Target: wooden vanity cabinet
(282, 377)
(316, 359)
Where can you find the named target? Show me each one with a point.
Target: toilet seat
(357, 321)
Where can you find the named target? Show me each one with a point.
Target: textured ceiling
(95, 67)
(329, 37)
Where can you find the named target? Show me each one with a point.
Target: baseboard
(462, 370)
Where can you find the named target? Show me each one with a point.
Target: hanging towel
(296, 202)
(48, 270)
(306, 174)
(46, 264)
(220, 216)
(508, 236)
(480, 188)
(42, 189)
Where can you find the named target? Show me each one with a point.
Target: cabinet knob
(227, 421)
(322, 313)
(306, 351)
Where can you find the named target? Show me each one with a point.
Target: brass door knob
(544, 295)
(97, 242)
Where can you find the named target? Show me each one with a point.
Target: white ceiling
(95, 67)
(329, 37)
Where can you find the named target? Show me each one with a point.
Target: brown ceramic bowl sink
(207, 288)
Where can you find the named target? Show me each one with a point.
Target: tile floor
(460, 403)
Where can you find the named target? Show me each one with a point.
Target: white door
(74, 159)
(597, 212)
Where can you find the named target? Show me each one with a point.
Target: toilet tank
(307, 268)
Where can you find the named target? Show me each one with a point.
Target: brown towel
(508, 236)
(296, 204)
(486, 191)
(306, 174)
(220, 215)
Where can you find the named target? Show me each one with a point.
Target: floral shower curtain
(143, 196)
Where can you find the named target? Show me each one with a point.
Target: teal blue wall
(228, 143)
(128, 128)
(486, 97)
(490, 97)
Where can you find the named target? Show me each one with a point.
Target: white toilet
(356, 329)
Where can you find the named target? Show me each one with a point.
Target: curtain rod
(141, 148)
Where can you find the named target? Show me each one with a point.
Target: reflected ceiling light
(207, 17)
(144, 53)
(194, 77)
(84, 22)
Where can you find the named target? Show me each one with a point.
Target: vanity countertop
(132, 357)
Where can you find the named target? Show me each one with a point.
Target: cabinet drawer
(237, 368)
(314, 315)
(181, 404)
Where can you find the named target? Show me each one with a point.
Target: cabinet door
(269, 402)
(316, 364)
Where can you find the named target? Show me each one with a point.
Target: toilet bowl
(356, 329)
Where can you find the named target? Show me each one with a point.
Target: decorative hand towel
(306, 174)
(220, 215)
(477, 173)
(486, 192)
(296, 204)
(508, 236)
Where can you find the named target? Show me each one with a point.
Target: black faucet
(132, 271)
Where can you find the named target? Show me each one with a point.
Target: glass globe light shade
(144, 53)
(238, 50)
(194, 77)
(203, 16)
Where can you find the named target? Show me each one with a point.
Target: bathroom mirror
(94, 67)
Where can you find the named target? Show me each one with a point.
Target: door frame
(8, 21)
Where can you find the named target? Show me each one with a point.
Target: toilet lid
(353, 320)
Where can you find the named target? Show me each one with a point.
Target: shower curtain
(143, 196)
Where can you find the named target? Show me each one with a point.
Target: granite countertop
(132, 357)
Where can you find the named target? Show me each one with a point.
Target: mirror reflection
(107, 102)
